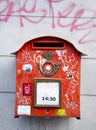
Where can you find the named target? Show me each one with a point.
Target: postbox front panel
(48, 79)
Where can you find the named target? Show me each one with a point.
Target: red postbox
(48, 78)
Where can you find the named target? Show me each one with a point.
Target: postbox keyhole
(47, 110)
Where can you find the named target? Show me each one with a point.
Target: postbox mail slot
(48, 45)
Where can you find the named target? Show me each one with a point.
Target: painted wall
(23, 20)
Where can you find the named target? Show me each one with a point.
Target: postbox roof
(52, 39)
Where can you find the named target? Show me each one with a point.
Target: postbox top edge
(82, 54)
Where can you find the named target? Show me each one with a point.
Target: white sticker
(27, 67)
(24, 110)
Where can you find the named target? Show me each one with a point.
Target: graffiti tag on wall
(9, 8)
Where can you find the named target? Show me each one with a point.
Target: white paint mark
(61, 52)
(70, 104)
(65, 68)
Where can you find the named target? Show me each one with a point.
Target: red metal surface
(30, 65)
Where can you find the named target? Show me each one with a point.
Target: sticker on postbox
(27, 89)
(24, 110)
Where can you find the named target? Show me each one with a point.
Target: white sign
(48, 94)
(24, 110)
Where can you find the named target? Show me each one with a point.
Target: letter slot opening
(48, 45)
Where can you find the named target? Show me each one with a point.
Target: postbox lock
(49, 68)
